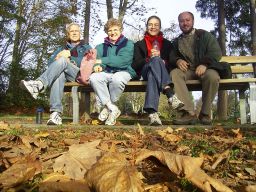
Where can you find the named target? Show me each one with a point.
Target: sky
(168, 11)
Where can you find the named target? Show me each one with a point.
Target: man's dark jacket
(207, 51)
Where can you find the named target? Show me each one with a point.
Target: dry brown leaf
(78, 160)
(20, 172)
(4, 125)
(172, 138)
(187, 166)
(26, 140)
(182, 148)
(237, 133)
(56, 182)
(70, 142)
(114, 173)
(16, 126)
(167, 135)
(224, 140)
(163, 132)
(129, 136)
(180, 129)
(42, 135)
(250, 188)
(140, 129)
(250, 171)
(220, 158)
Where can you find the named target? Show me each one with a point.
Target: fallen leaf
(20, 172)
(220, 158)
(42, 135)
(180, 129)
(114, 173)
(140, 129)
(187, 166)
(250, 171)
(167, 135)
(4, 125)
(237, 133)
(56, 182)
(78, 160)
(70, 142)
(250, 188)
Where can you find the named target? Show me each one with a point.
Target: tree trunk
(253, 31)
(15, 67)
(87, 14)
(222, 106)
(122, 9)
(109, 9)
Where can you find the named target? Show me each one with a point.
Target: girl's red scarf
(150, 39)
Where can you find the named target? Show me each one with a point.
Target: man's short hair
(191, 14)
(68, 26)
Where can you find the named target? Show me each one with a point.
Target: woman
(151, 62)
(112, 70)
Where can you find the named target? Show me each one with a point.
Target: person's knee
(118, 82)
(62, 60)
(211, 76)
(94, 78)
(176, 74)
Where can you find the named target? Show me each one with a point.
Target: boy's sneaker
(55, 119)
(154, 119)
(103, 114)
(175, 102)
(113, 115)
(33, 87)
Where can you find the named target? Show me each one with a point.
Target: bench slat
(242, 69)
(238, 59)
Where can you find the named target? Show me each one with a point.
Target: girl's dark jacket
(141, 55)
(207, 50)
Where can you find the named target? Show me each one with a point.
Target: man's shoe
(55, 119)
(113, 115)
(185, 119)
(204, 119)
(103, 116)
(33, 87)
(154, 119)
(175, 102)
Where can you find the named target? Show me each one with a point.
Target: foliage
(238, 23)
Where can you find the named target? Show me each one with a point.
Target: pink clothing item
(86, 67)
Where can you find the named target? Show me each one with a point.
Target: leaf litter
(135, 159)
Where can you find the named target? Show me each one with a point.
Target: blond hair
(113, 22)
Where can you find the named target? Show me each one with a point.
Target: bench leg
(242, 104)
(85, 104)
(252, 102)
(75, 99)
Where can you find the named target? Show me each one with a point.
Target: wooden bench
(244, 78)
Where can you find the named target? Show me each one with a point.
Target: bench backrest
(241, 64)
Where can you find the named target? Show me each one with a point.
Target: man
(194, 53)
(63, 66)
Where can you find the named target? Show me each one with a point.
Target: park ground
(226, 152)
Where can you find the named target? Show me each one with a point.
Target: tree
(222, 95)
(238, 22)
(253, 25)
